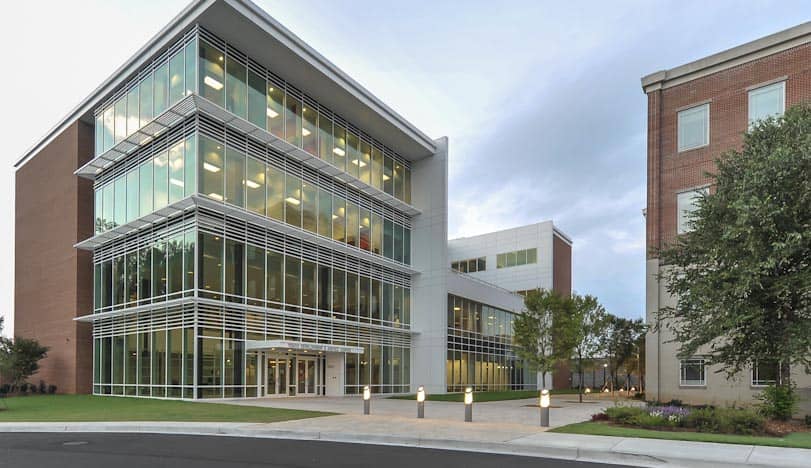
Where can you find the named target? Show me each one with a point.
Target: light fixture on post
(421, 402)
(468, 404)
(544, 404)
(367, 396)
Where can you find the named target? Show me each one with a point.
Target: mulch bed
(784, 428)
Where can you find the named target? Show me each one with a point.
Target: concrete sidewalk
(515, 439)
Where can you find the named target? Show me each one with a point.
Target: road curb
(254, 430)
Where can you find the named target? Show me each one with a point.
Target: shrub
(725, 421)
(51, 389)
(651, 420)
(702, 420)
(624, 414)
(808, 420)
(5, 389)
(599, 417)
(779, 401)
(42, 387)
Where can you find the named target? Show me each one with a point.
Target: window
(255, 186)
(694, 127)
(292, 213)
(472, 265)
(338, 219)
(516, 258)
(235, 177)
(765, 373)
(211, 257)
(236, 90)
(177, 67)
(767, 101)
(176, 172)
(324, 213)
(692, 372)
(213, 162)
(161, 168)
(212, 74)
(275, 193)
(257, 100)
(687, 204)
(275, 110)
(308, 207)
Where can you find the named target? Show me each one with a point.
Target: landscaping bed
(696, 423)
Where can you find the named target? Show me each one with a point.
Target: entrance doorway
(294, 375)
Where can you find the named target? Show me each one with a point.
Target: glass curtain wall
(480, 350)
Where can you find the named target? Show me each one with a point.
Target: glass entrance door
(276, 376)
(307, 376)
(294, 375)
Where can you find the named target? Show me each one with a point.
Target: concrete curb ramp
(600, 449)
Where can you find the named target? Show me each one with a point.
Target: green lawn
(797, 439)
(62, 408)
(486, 396)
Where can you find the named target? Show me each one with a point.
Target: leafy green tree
(582, 331)
(619, 343)
(538, 331)
(19, 358)
(742, 276)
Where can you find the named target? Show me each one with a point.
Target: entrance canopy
(282, 345)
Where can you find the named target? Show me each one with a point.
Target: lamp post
(421, 402)
(544, 403)
(605, 369)
(468, 404)
(367, 396)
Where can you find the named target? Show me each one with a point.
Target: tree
(619, 343)
(537, 331)
(742, 276)
(583, 328)
(19, 358)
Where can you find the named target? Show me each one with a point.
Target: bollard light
(588, 390)
(544, 404)
(468, 404)
(367, 396)
(421, 402)
(633, 389)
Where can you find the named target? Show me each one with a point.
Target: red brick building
(696, 112)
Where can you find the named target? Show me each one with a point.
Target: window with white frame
(767, 101)
(694, 127)
(693, 372)
(686, 205)
(765, 373)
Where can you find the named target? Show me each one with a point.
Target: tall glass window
(325, 145)
(292, 119)
(377, 168)
(159, 269)
(177, 68)
(212, 73)
(324, 287)
(338, 292)
(353, 147)
(275, 193)
(257, 99)
(132, 111)
(308, 285)
(255, 186)
(236, 90)
(255, 276)
(365, 172)
(309, 130)
(388, 239)
(352, 226)
(308, 207)
(275, 110)
(324, 213)
(145, 273)
(132, 195)
(234, 269)
(145, 95)
(120, 200)
(388, 181)
(177, 172)
(339, 149)
(120, 119)
(108, 132)
(338, 219)
(212, 179)
(175, 264)
(365, 227)
(235, 177)
(351, 295)
(292, 283)
(161, 93)
(275, 276)
(190, 164)
(211, 259)
(161, 169)
(292, 208)
(191, 67)
(377, 234)
(398, 180)
(188, 259)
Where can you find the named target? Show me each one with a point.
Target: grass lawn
(797, 439)
(486, 396)
(62, 408)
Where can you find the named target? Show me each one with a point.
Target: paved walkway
(565, 409)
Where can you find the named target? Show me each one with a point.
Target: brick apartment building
(697, 111)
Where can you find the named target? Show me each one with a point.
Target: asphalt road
(68, 450)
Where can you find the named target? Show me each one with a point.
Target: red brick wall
(53, 280)
(562, 283)
(669, 171)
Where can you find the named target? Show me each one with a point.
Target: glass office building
(255, 224)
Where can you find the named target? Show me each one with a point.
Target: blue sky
(541, 100)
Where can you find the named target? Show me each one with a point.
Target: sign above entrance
(282, 345)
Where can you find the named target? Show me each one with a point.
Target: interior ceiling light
(176, 182)
(358, 163)
(211, 167)
(305, 132)
(339, 151)
(272, 113)
(212, 83)
(385, 177)
(292, 201)
(215, 196)
(251, 184)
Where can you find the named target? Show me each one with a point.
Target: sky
(541, 100)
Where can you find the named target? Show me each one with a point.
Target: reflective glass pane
(159, 269)
(352, 226)
(377, 234)
(339, 147)
(174, 255)
(211, 258)
(161, 93)
(161, 169)
(324, 213)
(292, 119)
(234, 176)
(365, 227)
(292, 200)
(191, 67)
(365, 171)
(121, 119)
(325, 145)
(309, 132)
(177, 68)
(338, 219)
(257, 99)
(388, 238)
(145, 96)
(275, 193)
(255, 273)
(190, 163)
(255, 186)
(133, 119)
(292, 282)
(354, 159)
(234, 269)
(176, 172)
(108, 132)
(308, 285)
(338, 291)
(145, 179)
(132, 195)
(275, 110)
(308, 207)
(377, 168)
(388, 181)
(212, 180)
(275, 276)
(236, 88)
(120, 200)
(212, 73)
